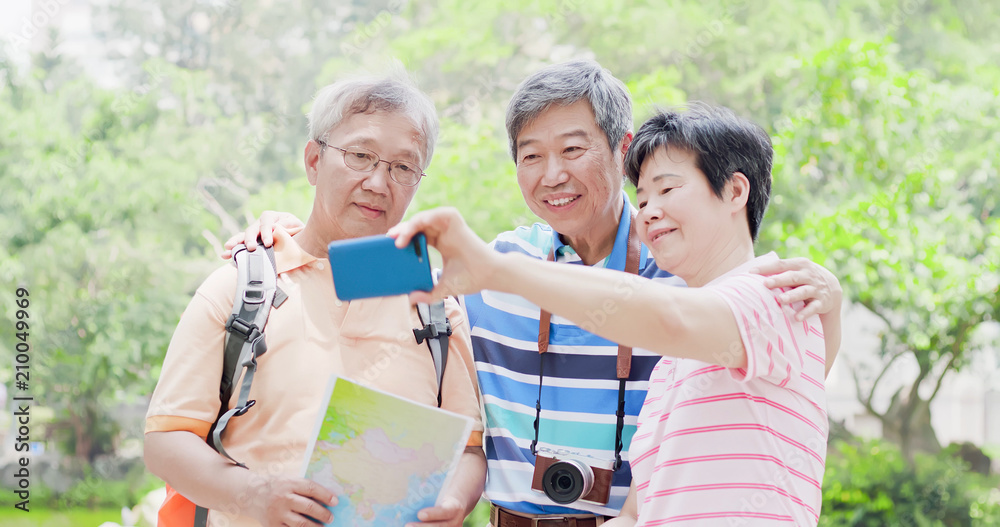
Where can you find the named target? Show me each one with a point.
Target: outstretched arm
(675, 321)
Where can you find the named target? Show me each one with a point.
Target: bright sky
(13, 14)
(16, 26)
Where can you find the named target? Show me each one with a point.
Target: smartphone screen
(373, 266)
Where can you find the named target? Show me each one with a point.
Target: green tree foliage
(103, 223)
(884, 116)
(872, 484)
(909, 220)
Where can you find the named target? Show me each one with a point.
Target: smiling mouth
(659, 235)
(561, 202)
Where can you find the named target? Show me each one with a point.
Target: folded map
(384, 457)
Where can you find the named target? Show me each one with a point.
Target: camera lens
(567, 481)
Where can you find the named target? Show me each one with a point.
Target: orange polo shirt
(311, 336)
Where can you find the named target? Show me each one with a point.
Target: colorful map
(383, 456)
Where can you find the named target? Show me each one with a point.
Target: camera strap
(624, 362)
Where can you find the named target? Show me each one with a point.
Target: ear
(738, 191)
(311, 158)
(626, 142)
(623, 149)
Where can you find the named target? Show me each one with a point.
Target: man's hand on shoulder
(265, 227)
(820, 291)
(810, 283)
(281, 501)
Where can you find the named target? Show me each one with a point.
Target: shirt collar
(288, 254)
(616, 260)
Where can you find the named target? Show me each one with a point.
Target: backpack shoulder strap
(436, 330)
(256, 292)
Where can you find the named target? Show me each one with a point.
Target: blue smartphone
(373, 266)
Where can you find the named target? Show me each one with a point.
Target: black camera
(568, 480)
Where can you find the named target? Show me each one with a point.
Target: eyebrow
(657, 178)
(573, 133)
(368, 142)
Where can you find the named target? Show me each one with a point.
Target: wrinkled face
(351, 203)
(680, 218)
(568, 174)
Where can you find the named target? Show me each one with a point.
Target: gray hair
(394, 92)
(565, 84)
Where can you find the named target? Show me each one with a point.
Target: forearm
(621, 521)
(627, 309)
(470, 479)
(617, 306)
(831, 335)
(629, 513)
(198, 472)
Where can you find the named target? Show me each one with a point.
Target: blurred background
(136, 136)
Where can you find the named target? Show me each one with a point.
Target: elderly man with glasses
(356, 127)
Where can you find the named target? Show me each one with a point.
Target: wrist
(498, 267)
(251, 497)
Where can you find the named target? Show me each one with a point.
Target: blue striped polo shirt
(580, 388)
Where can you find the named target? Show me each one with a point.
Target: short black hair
(722, 142)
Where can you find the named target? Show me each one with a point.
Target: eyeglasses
(362, 160)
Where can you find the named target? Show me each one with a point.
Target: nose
(650, 213)
(555, 172)
(378, 180)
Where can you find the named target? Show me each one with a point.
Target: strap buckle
(245, 408)
(249, 332)
(432, 330)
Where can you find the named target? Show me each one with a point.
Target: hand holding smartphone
(372, 266)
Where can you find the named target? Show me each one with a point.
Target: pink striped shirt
(740, 447)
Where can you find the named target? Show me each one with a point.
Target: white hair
(394, 92)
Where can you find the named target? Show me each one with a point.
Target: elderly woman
(734, 427)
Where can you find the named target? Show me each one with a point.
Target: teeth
(562, 201)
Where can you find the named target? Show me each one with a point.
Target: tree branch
(871, 307)
(228, 223)
(867, 401)
(940, 380)
(957, 350)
